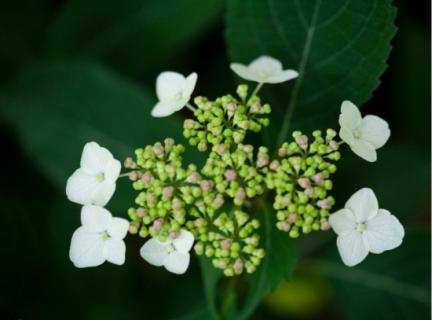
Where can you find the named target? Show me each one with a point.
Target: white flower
(363, 135)
(264, 69)
(362, 228)
(95, 181)
(99, 238)
(173, 91)
(173, 254)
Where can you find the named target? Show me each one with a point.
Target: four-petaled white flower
(264, 69)
(95, 181)
(173, 91)
(173, 254)
(363, 135)
(100, 238)
(362, 228)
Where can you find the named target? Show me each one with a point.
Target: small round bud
(141, 212)
(304, 182)
(274, 165)
(318, 178)
(225, 244)
(301, 140)
(324, 204)
(167, 192)
(133, 175)
(230, 175)
(333, 145)
(128, 163)
(255, 108)
(292, 218)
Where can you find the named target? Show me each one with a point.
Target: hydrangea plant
(212, 209)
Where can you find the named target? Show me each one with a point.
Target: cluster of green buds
(219, 202)
(301, 179)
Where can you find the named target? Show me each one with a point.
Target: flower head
(173, 253)
(264, 69)
(363, 135)
(95, 181)
(362, 228)
(173, 91)
(100, 238)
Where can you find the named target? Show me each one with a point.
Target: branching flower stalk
(215, 208)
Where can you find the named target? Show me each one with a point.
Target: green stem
(296, 89)
(190, 107)
(257, 89)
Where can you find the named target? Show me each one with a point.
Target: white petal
(375, 130)
(112, 170)
(189, 85)
(350, 116)
(117, 228)
(363, 204)
(163, 109)
(351, 248)
(80, 187)
(184, 241)
(282, 76)
(177, 262)
(364, 150)
(86, 249)
(266, 64)
(154, 252)
(347, 135)
(383, 232)
(168, 84)
(103, 193)
(95, 158)
(245, 72)
(115, 251)
(342, 221)
(95, 218)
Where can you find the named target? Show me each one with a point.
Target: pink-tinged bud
(169, 141)
(167, 192)
(128, 163)
(309, 192)
(221, 148)
(169, 169)
(176, 205)
(325, 225)
(240, 194)
(285, 226)
(157, 224)
(225, 244)
(222, 264)
(282, 152)
(141, 212)
(323, 204)
(150, 198)
(301, 140)
(238, 265)
(274, 165)
(133, 175)
(199, 222)
(146, 178)
(189, 124)
(256, 107)
(230, 175)
(205, 185)
(263, 161)
(133, 229)
(334, 145)
(318, 178)
(304, 182)
(292, 218)
(248, 148)
(158, 150)
(218, 201)
(193, 177)
(231, 107)
(172, 235)
(285, 201)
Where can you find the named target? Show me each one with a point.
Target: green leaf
(57, 107)
(339, 47)
(210, 278)
(132, 35)
(392, 285)
(277, 265)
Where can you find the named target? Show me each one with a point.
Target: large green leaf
(277, 265)
(393, 285)
(339, 48)
(57, 107)
(131, 35)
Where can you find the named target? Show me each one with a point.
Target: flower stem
(190, 107)
(126, 174)
(257, 89)
(296, 89)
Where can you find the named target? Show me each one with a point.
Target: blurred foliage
(73, 71)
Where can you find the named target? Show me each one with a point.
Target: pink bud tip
(189, 124)
(302, 140)
(193, 177)
(334, 145)
(282, 152)
(309, 192)
(285, 226)
(323, 204)
(167, 192)
(318, 178)
(225, 244)
(230, 175)
(231, 107)
(141, 212)
(172, 235)
(158, 150)
(274, 165)
(238, 265)
(128, 163)
(325, 225)
(292, 217)
(133, 175)
(256, 107)
(150, 198)
(248, 148)
(176, 205)
(240, 194)
(157, 225)
(205, 185)
(263, 161)
(146, 178)
(304, 182)
(221, 148)
(218, 201)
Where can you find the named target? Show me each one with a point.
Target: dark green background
(37, 40)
